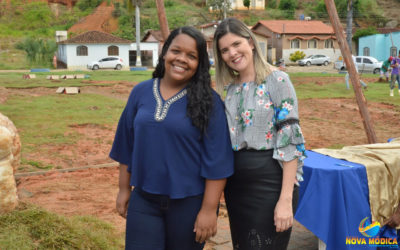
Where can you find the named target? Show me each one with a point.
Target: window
(113, 50)
(358, 59)
(312, 44)
(329, 44)
(81, 50)
(393, 51)
(366, 51)
(367, 61)
(295, 44)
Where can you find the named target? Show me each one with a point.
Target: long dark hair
(199, 92)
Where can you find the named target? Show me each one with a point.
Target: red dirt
(325, 122)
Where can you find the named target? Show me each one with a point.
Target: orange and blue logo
(367, 229)
(371, 231)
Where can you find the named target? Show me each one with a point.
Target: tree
(246, 3)
(221, 7)
(38, 51)
(289, 7)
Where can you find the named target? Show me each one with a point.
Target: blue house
(380, 46)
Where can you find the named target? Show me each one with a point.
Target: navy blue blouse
(165, 153)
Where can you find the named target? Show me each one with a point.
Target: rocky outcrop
(10, 148)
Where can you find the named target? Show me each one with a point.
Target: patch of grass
(47, 119)
(14, 79)
(376, 92)
(36, 164)
(336, 146)
(31, 227)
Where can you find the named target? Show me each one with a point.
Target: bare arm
(206, 221)
(124, 190)
(283, 214)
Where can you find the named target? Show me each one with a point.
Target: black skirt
(251, 195)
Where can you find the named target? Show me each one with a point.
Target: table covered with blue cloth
(334, 199)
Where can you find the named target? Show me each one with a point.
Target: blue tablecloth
(334, 198)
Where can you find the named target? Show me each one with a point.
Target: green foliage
(364, 32)
(366, 9)
(117, 10)
(246, 3)
(84, 5)
(38, 51)
(272, 4)
(289, 7)
(297, 55)
(218, 7)
(31, 227)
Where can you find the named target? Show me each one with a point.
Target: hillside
(37, 19)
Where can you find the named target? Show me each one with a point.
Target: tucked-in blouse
(165, 153)
(265, 116)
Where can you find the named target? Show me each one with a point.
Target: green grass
(31, 227)
(15, 80)
(46, 119)
(377, 92)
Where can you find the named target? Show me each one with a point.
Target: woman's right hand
(122, 201)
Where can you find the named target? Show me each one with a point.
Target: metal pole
(349, 20)
(224, 9)
(137, 20)
(360, 98)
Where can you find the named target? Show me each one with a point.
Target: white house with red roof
(288, 36)
(91, 46)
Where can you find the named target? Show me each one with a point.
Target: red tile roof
(296, 27)
(95, 37)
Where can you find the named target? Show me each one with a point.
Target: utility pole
(355, 81)
(349, 20)
(225, 5)
(162, 19)
(137, 20)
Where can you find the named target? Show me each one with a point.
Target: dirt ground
(325, 123)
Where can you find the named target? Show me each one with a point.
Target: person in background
(173, 146)
(395, 64)
(386, 69)
(262, 112)
(346, 78)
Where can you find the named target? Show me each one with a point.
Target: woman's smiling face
(237, 52)
(181, 59)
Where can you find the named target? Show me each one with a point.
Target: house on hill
(288, 36)
(91, 46)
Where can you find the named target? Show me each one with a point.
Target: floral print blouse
(265, 116)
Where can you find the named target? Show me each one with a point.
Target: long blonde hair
(223, 73)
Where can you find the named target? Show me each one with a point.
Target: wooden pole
(162, 19)
(355, 80)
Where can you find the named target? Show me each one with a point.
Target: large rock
(16, 142)
(10, 148)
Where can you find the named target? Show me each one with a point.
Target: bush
(297, 55)
(272, 4)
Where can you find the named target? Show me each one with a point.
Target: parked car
(314, 60)
(111, 62)
(364, 64)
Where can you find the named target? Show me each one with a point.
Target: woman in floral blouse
(261, 109)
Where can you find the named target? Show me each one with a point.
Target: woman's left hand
(205, 225)
(283, 215)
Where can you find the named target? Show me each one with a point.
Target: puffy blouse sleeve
(122, 148)
(217, 154)
(289, 143)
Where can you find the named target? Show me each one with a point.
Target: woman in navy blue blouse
(173, 146)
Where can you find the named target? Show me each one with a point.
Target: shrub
(297, 55)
